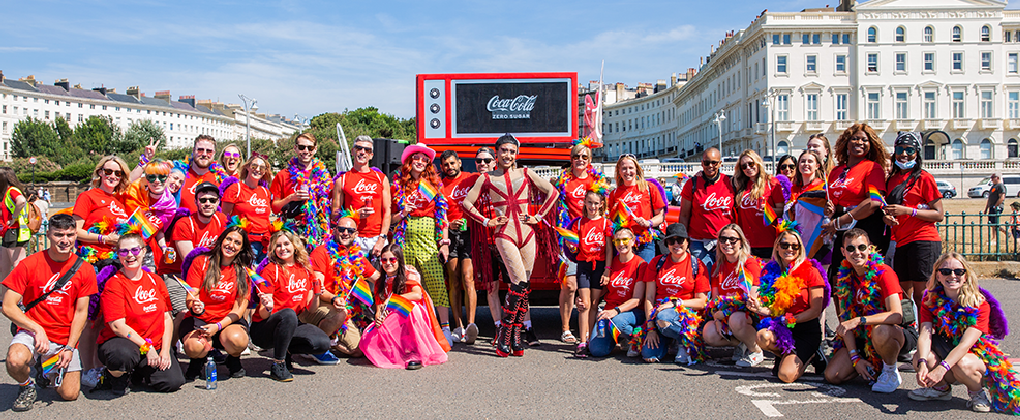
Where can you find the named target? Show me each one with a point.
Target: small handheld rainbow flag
(770, 215)
(876, 196)
(427, 190)
(360, 290)
(187, 287)
(400, 305)
(614, 331)
(626, 209)
(744, 282)
(49, 364)
(569, 237)
(256, 278)
(146, 227)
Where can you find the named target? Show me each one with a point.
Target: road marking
(823, 394)
(768, 408)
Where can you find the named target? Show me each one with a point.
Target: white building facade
(645, 126)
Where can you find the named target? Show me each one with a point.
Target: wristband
(99, 238)
(444, 242)
(219, 327)
(485, 222)
(854, 351)
(915, 212)
(864, 321)
(618, 310)
(144, 348)
(791, 321)
(945, 365)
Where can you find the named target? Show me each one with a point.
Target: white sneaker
(633, 351)
(930, 394)
(888, 381)
(681, 356)
(458, 335)
(470, 333)
(979, 401)
(246, 351)
(91, 378)
(751, 359)
(739, 352)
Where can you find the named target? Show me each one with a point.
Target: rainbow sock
(26, 383)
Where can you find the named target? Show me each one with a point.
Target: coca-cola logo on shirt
(117, 210)
(595, 237)
(52, 282)
(839, 185)
(207, 241)
(673, 278)
(257, 202)
(416, 200)
(362, 188)
(746, 202)
(222, 291)
(714, 202)
(458, 193)
(143, 296)
(621, 280)
(296, 285)
(511, 109)
(731, 282)
(632, 197)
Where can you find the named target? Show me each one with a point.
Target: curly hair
(876, 150)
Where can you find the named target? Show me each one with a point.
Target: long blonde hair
(741, 181)
(300, 253)
(970, 296)
(639, 174)
(743, 251)
(97, 179)
(801, 252)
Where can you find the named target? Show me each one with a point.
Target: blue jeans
(259, 250)
(697, 249)
(666, 335)
(625, 321)
(646, 251)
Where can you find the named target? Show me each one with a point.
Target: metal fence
(980, 237)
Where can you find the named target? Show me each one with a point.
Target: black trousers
(121, 355)
(284, 333)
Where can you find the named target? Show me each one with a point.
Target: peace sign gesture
(150, 149)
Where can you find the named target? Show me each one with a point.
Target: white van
(1011, 182)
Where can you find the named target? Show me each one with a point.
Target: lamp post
(247, 118)
(719, 118)
(771, 106)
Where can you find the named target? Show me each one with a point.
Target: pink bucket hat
(417, 148)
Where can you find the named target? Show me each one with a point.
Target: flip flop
(568, 337)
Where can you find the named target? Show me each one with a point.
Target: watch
(864, 321)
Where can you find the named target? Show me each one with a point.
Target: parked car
(1012, 183)
(945, 188)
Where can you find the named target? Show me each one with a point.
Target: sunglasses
(787, 166)
(960, 272)
(909, 151)
(580, 157)
(711, 162)
(205, 151)
(673, 241)
(861, 247)
(231, 155)
(621, 241)
(628, 155)
(208, 200)
(788, 245)
(303, 147)
(484, 161)
(747, 165)
(133, 251)
(346, 230)
(729, 239)
(154, 178)
(257, 167)
(118, 172)
(420, 157)
(391, 260)
(363, 149)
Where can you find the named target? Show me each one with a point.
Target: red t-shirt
(415, 202)
(887, 284)
(711, 206)
(751, 215)
(727, 282)
(357, 187)
(592, 234)
(96, 205)
(220, 300)
(188, 189)
(37, 274)
(142, 304)
(642, 203)
(675, 279)
(201, 235)
(621, 281)
(251, 204)
(812, 279)
(850, 190)
(289, 286)
(927, 314)
(923, 191)
(455, 190)
(322, 263)
(575, 190)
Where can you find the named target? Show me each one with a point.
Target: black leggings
(121, 355)
(284, 333)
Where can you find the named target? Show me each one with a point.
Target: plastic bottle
(210, 373)
(600, 332)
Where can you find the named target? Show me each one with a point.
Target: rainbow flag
(614, 331)
(50, 363)
(146, 227)
(360, 290)
(256, 278)
(626, 209)
(744, 282)
(876, 196)
(400, 305)
(569, 237)
(427, 190)
(770, 215)
(187, 287)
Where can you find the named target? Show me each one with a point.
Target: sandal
(567, 337)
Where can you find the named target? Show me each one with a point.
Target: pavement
(548, 382)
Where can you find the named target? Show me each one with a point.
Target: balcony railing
(962, 123)
(761, 128)
(785, 126)
(814, 126)
(933, 124)
(906, 125)
(878, 125)
(991, 123)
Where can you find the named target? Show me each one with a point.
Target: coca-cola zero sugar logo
(511, 109)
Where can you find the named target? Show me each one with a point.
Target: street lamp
(771, 106)
(247, 117)
(719, 118)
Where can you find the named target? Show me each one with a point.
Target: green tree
(70, 150)
(139, 133)
(34, 137)
(98, 135)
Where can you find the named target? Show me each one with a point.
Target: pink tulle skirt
(401, 339)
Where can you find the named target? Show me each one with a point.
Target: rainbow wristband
(791, 320)
(144, 349)
(854, 358)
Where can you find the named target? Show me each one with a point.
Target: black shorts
(460, 244)
(10, 239)
(589, 274)
(915, 260)
(993, 215)
(909, 340)
(941, 346)
(191, 323)
(807, 338)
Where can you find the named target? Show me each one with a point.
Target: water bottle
(210, 373)
(601, 331)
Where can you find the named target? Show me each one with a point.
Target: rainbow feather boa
(778, 290)
(871, 303)
(690, 337)
(727, 305)
(347, 268)
(951, 320)
(400, 232)
(316, 209)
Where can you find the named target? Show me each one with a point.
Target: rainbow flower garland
(105, 226)
(690, 338)
(400, 232)
(316, 208)
(870, 301)
(951, 320)
(347, 268)
(778, 290)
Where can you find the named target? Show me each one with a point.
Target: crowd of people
(207, 258)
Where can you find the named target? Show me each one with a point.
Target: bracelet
(864, 321)
(444, 242)
(333, 301)
(485, 221)
(945, 365)
(791, 320)
(854, 358)
(100, 238)
(915, 212)
(219, 327)
(144, 348)
(618, 310)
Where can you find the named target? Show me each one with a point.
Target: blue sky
(309, 57)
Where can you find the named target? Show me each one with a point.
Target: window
(901, 62)
(782, 148)
(986, 149)
(872, 34)
(786, 39)
(901, 105)
(47, 115)
(811, 61)
(957, 34)
(805, 39)
(929, 105)
(81, 118)
(957, 61)
(873, 107)
(840, 106)
(986, 104)
(929, 34)
(840, 63)
(846, 38)
(781, 64)
(775, 39)
(1012, 149)
(986, 33)
(1011, 63)
(872, 62)
(900, 34)
(835, 39)
(929, 61)
(986, 61)
(957, 104)
(816, 39)
(1007, 36)
(812, 107)
(782, 108)
(1014, 104)
(957, 149)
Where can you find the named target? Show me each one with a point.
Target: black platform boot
(517, 343)
(511, 309)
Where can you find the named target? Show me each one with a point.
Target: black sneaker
(278, 372)
(196, 370)
(820, 361)
(234, 366)
(26, 398)
(529, 336)
(119, 386)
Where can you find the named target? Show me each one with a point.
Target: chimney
(1, 76)
(672, 79)
(189, 99)
(63, 83)
(112, 90)
(77, 86)
(132, 91)
(164, 95)
(101, 90)
(846, 5)
(30, 79)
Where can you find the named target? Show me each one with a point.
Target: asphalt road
(547, 382)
